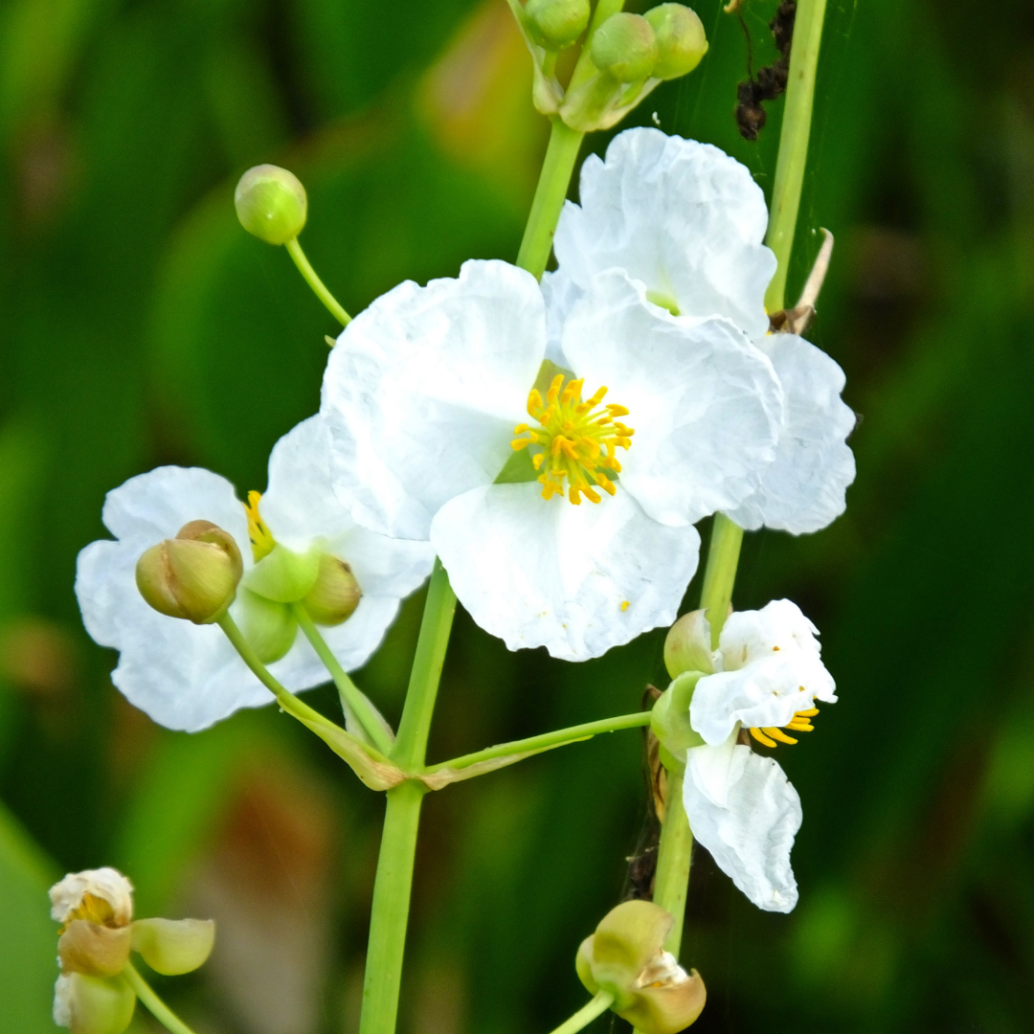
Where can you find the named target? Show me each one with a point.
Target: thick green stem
(557, 168)
(671, 881)
(586, 1014)
(793, 143)
(722, 560)
(294, 249)
(351, 698)
(389, 917)
(573, 734)
(158, 1009)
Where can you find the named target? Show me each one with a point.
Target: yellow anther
(578, 440)
(761, 737)
(778, 734)
(262, 541)
(801, 722)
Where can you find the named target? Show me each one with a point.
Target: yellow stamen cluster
(801, 723)
(579, 440)
(262, 541)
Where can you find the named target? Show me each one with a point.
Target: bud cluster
(95, 908)
(625, 57)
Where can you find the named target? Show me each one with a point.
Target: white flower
(427, 398)
(188, 676)
(740, 805)
(688, 221)
(111, 892)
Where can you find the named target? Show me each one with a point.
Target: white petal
(546, 573)
(744, 810)
(753, 635)
(803, 489)
(705, 403)
(683, 217)
(560, 293)
(107, 884)
(424, 388)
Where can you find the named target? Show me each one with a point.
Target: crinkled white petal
(681, 216)
(560, 294)
(63, 1000)
(704, 402)
(753, 635)
(106, 883)
(803, 490)
(546, 573)
(744, 810)
(424, 388)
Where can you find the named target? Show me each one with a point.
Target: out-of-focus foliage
(140, 325)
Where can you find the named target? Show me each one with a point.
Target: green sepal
(284, 576)
(669, 720)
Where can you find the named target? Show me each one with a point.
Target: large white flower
(188, 676)
(435, 435)
(740, 805)
(688, 221)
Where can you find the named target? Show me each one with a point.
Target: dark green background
(139, 325)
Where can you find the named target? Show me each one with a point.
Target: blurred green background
(139, 325)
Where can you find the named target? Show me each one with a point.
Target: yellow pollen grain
(577, 441)
(625, 606)
(262, 541)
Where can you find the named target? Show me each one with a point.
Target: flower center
(579, 440)
(801, 723)
(262, 541)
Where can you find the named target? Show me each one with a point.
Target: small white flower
(688, 221)
(740, 805)
(111, 892)
(441, 430)
(188, 676)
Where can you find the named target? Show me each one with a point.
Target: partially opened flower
(95, 910)
(688, 222)
(740, 805)
(305, 549)
(560, 500)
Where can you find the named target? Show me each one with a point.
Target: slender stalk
(573, 734)
(158, 1009)
(793, 143)
(557, 168)
(294, 249)
(586, 1014)
(723, 557)
(351, 698)
(389, 916)
(671, 881)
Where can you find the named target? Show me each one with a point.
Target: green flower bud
(174, 946)
(335, 595)
(688, 645)
(681, 41)
(269, 627)
(193, 576)
(626, 957)
(99, 951)
(625, 46)
(93, 1005)
(283, 575)
(555, 24)
(271, 204)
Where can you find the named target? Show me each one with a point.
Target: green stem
(573, 734)
(391, 893)
(294, 249)
(671, 881)
(351, 698)
(557, 168)
(158, 1009)
(586, 1014)
(793, 143)
(723, 557)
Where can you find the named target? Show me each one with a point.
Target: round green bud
(174, 946)
(335, 595)
(625, 46)
(271, 204)
(681, 41)
(269, 627)
(688, 645)
(555, 24)
(193, 576)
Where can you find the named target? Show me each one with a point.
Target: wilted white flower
(187, 676)
(447, 425)
(740, 805)
(99, 895)
(688, 221)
